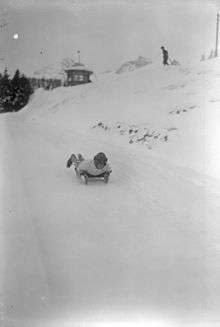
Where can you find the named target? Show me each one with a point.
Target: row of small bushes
(45, 83)
(14, 92)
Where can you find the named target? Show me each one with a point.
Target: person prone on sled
(91, 168)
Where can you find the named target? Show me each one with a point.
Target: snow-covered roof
(78, 66)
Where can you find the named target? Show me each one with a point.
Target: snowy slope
(142, 250)
(183, 101)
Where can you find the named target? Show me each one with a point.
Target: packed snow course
(142, 250)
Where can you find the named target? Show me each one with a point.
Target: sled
(85, 177)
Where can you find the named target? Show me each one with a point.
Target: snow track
(146, 242)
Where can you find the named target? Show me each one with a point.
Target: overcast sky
(108, 32)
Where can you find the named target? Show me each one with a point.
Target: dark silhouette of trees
(5, 92)
(15, 92)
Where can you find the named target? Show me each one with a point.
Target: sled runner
(86, 177)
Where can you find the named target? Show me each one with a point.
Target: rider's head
(100, 160)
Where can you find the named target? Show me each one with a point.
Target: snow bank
(174, 98)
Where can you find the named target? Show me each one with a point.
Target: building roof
(78, 66)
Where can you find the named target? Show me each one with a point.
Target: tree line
(15, 92)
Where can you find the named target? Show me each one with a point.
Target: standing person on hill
(165, 56)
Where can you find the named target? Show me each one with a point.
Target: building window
(78, 78)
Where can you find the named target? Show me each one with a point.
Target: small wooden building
(77, 74)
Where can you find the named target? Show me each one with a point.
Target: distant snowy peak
(133, 64)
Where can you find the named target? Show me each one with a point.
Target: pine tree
(21, 91)
(15, 89)
(14, 93)
(5, 92)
